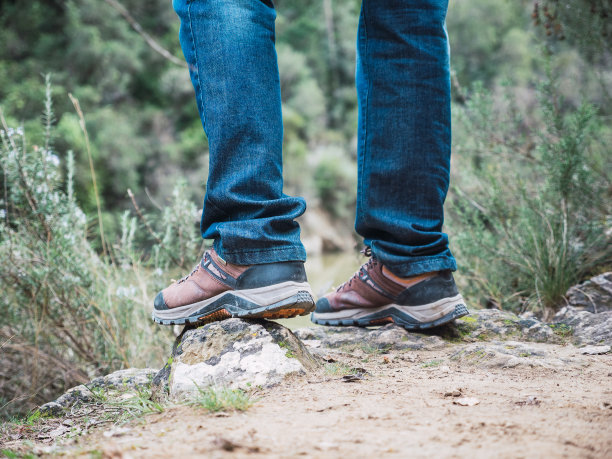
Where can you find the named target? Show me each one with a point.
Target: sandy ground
(405, 406)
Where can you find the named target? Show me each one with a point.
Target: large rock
(569, 325)
(594, 295)
(480, 325)
(586, 327)
(389, 337)
(510, 354)
(234, 353)
(487, 324)
(122, 380)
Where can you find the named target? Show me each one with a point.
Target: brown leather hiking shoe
(375, 296)
(217, 290)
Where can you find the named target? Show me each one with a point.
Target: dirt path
(399, 409)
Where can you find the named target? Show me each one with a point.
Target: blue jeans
(404, 134)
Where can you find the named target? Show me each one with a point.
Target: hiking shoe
(217, 290)
(375, 296)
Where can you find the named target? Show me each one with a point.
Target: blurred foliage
(67, 314)
(140, 110)
(587, 23)
(531, 213)
(529, 207)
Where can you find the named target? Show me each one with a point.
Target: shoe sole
(281, 301)
(410, 317)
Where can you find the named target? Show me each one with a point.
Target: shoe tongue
(406, 281)
(229, 268)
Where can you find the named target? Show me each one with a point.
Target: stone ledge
(234, 353)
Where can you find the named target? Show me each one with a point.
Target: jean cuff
(421, 265)
(260, 256)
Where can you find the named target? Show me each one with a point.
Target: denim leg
(403, 87)
(229, 47)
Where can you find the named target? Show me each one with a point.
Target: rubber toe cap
(323, 306)
(159, 302)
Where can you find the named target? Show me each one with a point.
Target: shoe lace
(367, 251)
(183, 279)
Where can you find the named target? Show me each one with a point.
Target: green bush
(67, 314)
(531, 207)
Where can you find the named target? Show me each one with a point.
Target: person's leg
(229, 47)
(256, 269)
(403, 87)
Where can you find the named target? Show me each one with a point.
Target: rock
(331, 337)
(539, 332)
(466, 401)
(569, 325)
(73, 396)
(132, 378)
(484, 324)
(595, 350)
(52, 434)
(531, 400)
(453, 393)
(160, 384)
(510, 354)
(389, 337)
(594, 295)
(585, 327)
(481, 325)
(234, 353)
(51, 409)
(487, 324)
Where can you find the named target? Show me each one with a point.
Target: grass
(562, 330)
(338, 368)
(215, 399)
(10, 454)
(114, 407)
(468, 319)
(289, 354)
(431, 364)
(103, 408)
(30, 420)
(121, 411)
